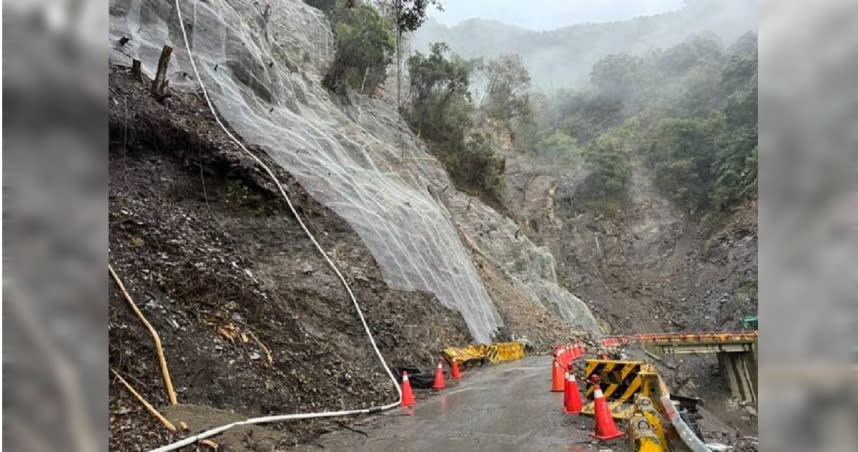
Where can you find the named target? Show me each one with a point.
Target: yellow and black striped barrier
(620, 381)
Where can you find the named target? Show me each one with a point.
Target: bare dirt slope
(208, 251)
(645, 265)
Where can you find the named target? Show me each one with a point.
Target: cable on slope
(296, 416)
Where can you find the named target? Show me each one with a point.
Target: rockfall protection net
(262, 63)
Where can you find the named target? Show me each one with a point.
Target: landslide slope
(218, 265)
(209, 251)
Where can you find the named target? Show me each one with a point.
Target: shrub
(364, 47)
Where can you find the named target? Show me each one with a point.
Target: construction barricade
(479, 354)
(621, 382)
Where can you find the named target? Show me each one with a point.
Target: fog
(563, 57)
(549, 14)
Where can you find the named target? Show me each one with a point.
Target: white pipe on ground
(296, 416)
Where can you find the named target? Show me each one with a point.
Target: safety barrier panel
(465, 355)
(620, 381)
(636, 386)
(505, 351)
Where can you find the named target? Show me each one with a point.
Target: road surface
(504, 407)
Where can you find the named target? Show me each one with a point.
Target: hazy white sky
(550, 14)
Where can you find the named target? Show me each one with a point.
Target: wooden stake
(159, 84)
(136, 71)
(166, 422)
(171, 394)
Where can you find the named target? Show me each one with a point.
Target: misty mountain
(563, 58)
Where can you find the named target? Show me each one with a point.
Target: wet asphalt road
(506, 407)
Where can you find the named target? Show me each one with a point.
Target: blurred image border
(54, 317)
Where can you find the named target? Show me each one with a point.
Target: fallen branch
(171, 394)
(210, 443)
(166, 422)
(263, 347)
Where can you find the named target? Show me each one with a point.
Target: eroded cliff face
(262, 68)
(649, 268)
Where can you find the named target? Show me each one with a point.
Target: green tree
(682, 152)
(364, 46)
(735, 163)
(408, 15)
(476, 166)
(441, 106)
(441, 111)
(507, 88)
(616, 73)
(559, 148)
(611, 167)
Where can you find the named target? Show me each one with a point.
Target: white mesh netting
(262, 63)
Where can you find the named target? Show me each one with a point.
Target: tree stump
(160, 83)
(136, 70)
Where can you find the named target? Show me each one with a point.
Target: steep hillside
(252, 320)
(563, 58)
(650, 269)
(264, 73)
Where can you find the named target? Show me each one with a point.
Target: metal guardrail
(683, 338)
(643, 385)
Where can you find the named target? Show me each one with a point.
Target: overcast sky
(550, 14)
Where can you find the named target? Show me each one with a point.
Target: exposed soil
(215, 261)
(542, 328)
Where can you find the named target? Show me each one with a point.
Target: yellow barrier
(621, 381)
(646, 431)
(506, 351)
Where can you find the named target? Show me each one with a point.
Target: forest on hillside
(688, 112)
(562, 58)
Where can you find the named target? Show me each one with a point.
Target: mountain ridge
(562, 57)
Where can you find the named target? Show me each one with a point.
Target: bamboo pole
(171, 394)
(166, 422)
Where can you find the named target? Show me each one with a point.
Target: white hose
(284, 417)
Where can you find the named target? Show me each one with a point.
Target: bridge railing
(683, 338)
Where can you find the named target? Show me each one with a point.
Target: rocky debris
(542, 327)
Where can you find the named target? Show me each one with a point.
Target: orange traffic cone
(571, 397)
(439, 377)
(454, 370)
(556, 377)
(605, 427)
(407, 395)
